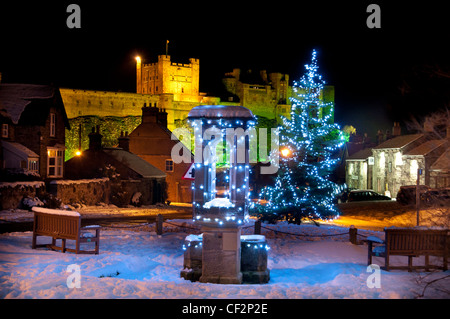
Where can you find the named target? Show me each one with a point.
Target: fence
(352, 233)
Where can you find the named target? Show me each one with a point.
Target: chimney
(380, 138)
(149, 114)
(124, 141)
(428, 126)
(162, 117)
(396, 130)
(95, 139)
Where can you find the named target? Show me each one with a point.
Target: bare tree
(435, 124)
(436, 211)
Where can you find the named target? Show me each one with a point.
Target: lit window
(5, 130)
(413, 169)
(55, 161)
(33, 165)
(52, 124)
(169, 166)
(398, 159)
(350, 168)
(381, 161)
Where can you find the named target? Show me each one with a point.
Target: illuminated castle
(174, 87)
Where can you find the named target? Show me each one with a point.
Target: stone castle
(174, 87)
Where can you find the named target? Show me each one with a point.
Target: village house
(33, 122)
(152, 141)
(398, 161)
(129, 176)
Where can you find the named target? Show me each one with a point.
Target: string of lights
(307, 139)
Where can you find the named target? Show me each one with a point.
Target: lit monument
(221, 187)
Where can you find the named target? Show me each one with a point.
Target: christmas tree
(307, 141)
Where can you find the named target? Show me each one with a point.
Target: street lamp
(285, 152)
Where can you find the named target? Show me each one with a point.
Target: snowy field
(137, 263)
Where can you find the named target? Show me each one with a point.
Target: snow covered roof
(442, 163)
(425, 148)
(361, 155)
(220, 111)
(135, 163)
(15, 97)
(19, 150)
(399, 141)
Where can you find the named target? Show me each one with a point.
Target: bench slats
(412, 243)
(63, 227)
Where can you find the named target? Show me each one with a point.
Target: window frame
(58, 164)
(170, 167)
(52, 124)
(5, 130)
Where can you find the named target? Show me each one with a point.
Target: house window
(398, 159)
(52, 124)
(5, 130)
(55, 161)
(33, 165)
(169, 166)
(414, 166)
(382, 161)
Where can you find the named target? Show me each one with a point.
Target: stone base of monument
(229, 260)
(254, 259)
(192, 265)
(221, 255)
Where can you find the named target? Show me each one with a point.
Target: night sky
(380, 75)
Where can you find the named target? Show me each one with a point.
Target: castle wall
(103, 103)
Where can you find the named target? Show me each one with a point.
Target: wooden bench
(411, 242)
(64, 225)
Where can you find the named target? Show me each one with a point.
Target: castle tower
(167, 77)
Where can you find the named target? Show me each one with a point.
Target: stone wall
(12, 194)
(92, 191)
(85, 191)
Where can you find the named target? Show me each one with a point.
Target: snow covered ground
(137, 263)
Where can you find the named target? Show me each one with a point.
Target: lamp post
(221, 211)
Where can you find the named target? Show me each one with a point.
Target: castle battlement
(180, 79)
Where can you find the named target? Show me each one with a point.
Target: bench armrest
(375, 239)
(91, 227)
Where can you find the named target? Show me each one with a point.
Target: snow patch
(55, 211)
